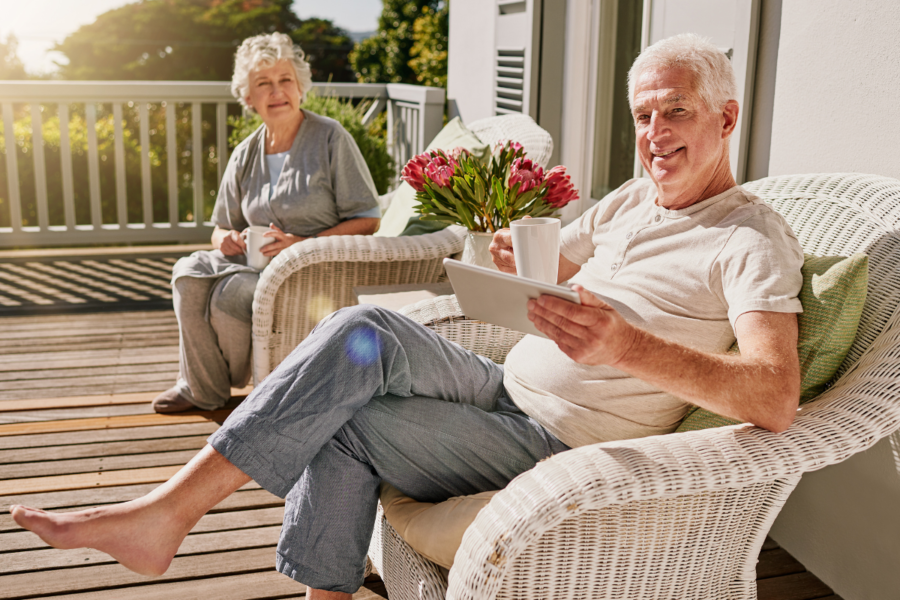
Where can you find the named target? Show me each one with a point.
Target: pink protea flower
(560, 190)
(440, 170)
(508, 144)
(414, 171)
(524, 171)
(458, 152)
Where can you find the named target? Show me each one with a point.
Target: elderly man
(684, 262)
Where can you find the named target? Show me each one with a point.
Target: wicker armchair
(681, 515)
(309, 280)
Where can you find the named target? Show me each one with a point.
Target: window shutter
(516, 58)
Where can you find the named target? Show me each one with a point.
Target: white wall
(470, 63)
(835, 110)
(837, 87)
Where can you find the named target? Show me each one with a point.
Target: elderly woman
(301, 175)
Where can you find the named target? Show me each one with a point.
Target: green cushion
(833, 295)
(401, 213)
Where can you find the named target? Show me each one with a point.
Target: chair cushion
(833, 295)
(433, 530)
(401, 210)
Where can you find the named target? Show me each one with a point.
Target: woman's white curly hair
(713, 74)
(264, 51)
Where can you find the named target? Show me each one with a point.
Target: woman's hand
(228, 241)
(282, 241)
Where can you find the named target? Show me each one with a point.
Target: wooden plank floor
(76, 430)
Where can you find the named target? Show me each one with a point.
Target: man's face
(681, 143)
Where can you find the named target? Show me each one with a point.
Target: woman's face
(274, 92)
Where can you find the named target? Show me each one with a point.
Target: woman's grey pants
(214, 326)
(372, 396)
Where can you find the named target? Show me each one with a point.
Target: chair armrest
(311, 279)
(664, 485)
(444, 315)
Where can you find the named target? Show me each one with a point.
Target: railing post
(12, 169)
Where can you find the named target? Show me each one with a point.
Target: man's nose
(658, 127)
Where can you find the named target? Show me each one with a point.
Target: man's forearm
(754, 389)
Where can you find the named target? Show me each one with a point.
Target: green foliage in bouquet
(457, 188)
(371, 139)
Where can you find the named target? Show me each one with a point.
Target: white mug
(536, 248)
(254, 240)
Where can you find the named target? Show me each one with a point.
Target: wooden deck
(76, 430)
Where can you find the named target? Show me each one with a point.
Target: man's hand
(282, 241)
(502, 251)
(592, 333)
(231, 243)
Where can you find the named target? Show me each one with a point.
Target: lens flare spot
(363, 346)
(319, 307)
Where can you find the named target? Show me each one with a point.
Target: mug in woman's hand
(254, 240)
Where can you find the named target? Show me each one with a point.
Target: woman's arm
(360, 226)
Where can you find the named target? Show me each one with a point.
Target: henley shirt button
(629, 236)
(613, 267)
(657, 219)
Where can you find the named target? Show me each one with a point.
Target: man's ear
(730, 115)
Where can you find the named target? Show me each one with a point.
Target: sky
(38, 24)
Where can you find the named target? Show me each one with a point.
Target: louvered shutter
(516, 57)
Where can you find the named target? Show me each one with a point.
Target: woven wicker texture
(684, 515)
(537, 143)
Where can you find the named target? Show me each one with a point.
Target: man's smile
(666, 153)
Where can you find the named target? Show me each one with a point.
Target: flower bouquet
(456, 187)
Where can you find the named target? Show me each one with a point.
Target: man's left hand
(592, 333)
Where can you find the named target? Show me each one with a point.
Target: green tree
(429, 49)
(327, 49)
(385, 57)
(192, 40)
(10, 65)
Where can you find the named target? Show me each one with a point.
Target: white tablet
(500, 298)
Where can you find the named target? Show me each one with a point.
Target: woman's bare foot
(138, 534)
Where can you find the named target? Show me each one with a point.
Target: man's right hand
(502, 251)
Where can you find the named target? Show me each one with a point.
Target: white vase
(477, 249)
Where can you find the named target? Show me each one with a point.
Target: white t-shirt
(684, 275)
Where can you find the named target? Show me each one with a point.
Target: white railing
(83, 208)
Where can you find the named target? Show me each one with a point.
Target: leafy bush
(371, 139)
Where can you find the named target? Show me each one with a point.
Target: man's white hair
(713, 74)
(264, 51)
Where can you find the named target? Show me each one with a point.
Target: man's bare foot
(138, 534)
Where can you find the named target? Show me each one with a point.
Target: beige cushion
(433, 530)
(453, 135)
